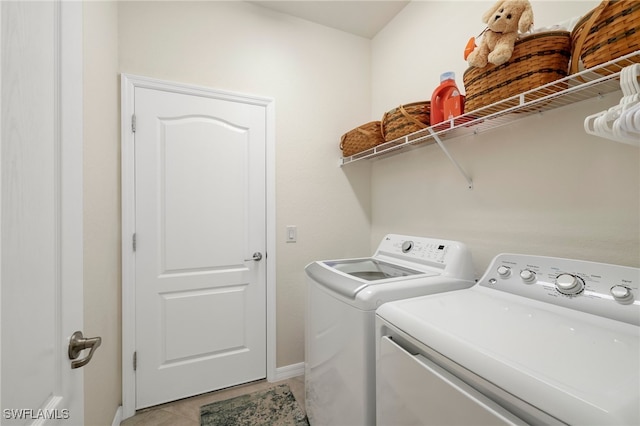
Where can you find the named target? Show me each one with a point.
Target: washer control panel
(602, 289)
(425, 251)
(415, 248)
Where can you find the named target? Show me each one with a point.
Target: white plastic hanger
(620, 122)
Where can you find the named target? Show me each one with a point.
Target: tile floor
(186, 412)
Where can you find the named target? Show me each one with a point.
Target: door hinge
(134, 242)
(133, 123)
(135, 361)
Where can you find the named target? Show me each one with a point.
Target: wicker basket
(537, 59)
(361, 138)
(405, 119)
(609, 31)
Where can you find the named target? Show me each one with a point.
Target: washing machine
(538, 340)
(342, 296)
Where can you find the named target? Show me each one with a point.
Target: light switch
(292, 233)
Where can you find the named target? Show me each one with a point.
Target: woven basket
(609, 31)
(361, 138)
(405, 119)
(537, 59)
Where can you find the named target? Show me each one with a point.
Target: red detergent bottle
(446, 101)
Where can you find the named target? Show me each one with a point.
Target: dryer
(538, 340)
(342, 296)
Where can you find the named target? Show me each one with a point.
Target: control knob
(622, 294)
(407, 246)
(528, 276)
(504, 271)
(569, 284)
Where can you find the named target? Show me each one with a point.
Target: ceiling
(363, 18)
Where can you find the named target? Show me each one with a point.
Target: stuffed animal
(503, 20)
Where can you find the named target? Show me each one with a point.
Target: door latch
(78, 343)
(257, 256)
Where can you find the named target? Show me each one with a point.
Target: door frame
(128, 85)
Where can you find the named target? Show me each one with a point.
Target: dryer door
(413, 390)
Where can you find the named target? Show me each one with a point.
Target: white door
(199, 218)
(41, 211)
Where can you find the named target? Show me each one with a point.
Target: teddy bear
(503, 20)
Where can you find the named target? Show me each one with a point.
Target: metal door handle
(257, 256)
(77, 343)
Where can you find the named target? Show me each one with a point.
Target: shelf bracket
(455, 163)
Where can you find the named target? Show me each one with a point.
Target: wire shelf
(587, 84)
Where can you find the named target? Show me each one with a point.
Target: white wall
(541, 186)
(320, 80)
(102, 377)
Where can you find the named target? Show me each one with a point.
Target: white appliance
(342, 296)
(538, 340)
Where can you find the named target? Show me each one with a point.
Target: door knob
(257, 256)
(78, 343)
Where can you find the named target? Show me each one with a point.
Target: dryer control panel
(602, 289)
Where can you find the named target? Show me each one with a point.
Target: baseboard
(289, 371)
(117, 419)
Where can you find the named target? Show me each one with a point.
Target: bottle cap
(449, 75)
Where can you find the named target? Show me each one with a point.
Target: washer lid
(579, 368)
(370, 269)
(350, 276)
